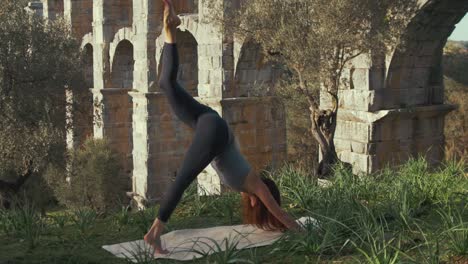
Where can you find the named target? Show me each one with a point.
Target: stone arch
(415, 70)
(188, 60)
(123, 65)
(87, 39)
(122, 34)
(253, 76)
(88, 65)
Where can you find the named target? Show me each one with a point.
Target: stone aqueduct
(393, 109)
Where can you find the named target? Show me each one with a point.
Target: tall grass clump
(23, 221)
(414, 189)
(385, 217)
(122, 218)
(297, 188)
(227, 206)
(84, 220)
(374, 240)
(223, 252)
(194, 204)
(456, 231)
(323, 237)
(142, 255)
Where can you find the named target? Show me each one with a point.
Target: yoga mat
(182, 243)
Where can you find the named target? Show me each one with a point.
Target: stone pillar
(147, 26)
(358, 111)
(103, 34)
(98, 107)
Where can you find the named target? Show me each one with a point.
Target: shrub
(95, 178)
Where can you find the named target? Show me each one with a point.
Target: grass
(413, 214)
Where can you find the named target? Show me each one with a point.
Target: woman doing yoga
(213, 142)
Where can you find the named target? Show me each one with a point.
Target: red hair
(258, 214)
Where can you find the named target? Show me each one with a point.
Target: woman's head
(255, 212)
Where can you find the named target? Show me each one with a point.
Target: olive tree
(315, 41)
(38, 61)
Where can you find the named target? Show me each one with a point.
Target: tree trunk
(323, 129)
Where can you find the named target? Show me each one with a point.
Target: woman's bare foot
(155, 243)
(171, 20)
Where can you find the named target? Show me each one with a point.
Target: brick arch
(415, 69)
(122, 65)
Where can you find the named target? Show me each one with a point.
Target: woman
(213, 142)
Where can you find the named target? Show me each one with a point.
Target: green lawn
(413, 214)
